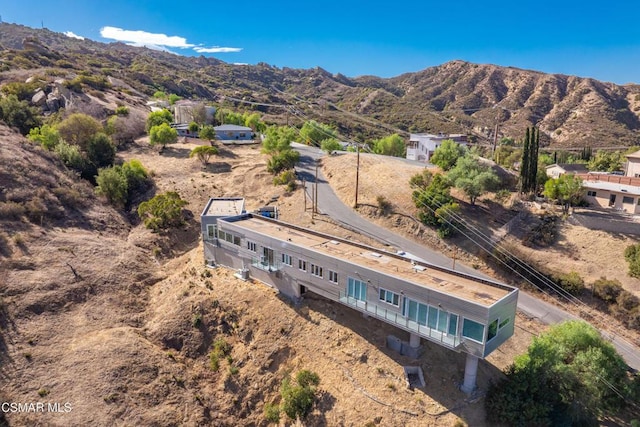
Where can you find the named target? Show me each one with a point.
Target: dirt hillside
(118, 322)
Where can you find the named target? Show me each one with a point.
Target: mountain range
(455, 97)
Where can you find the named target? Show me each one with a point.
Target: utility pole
(304, 195)
(495, 138)
(315, 201)
(357, 173)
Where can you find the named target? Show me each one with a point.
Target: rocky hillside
(453, 97)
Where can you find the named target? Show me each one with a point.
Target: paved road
(329, 204)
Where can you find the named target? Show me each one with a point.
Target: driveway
(329, 204)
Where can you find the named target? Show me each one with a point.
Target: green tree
(421, 181)
(570, 375)
(330, 145)
(162, 135)
(254, 122)
(282, 160)
(78, 129)
(173, 98)
(100, 151)
(529, 163)
(607, 161)
(45, 135)
(203, 153)
(431, 198)
(18, 114)
(313, 133)
(207, 132)
(392, 145)
(137, 178)
(567, 190)
(163, 211)
(473, 177)
(193, 127)
(278, 138)
(447, 154)
(113, 185)
(156, 118)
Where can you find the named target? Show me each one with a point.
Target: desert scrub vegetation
(221, 349)
(122, 184)
(162, 211)
(296, 397)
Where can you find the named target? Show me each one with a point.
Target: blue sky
(599, 39)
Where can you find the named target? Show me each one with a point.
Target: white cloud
(144, 38)
(216, 49)
(157, 41)
(240, 63)
(72, 35)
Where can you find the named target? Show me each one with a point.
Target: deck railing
(397, 319)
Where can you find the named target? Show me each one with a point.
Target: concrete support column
(470, 374)
(414, 340)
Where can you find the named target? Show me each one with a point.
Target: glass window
(316, 270)
(333, 276)
(628, 200)
(211, 231)
(433, 317)
(493, 330)
(473, 330)
(251, 246)
(302, 265)
(236, 240)
(442, 321)
(422, 314)
(286, 259)
(357, 289)
(453, 324)
(389, 297)
(503, 323)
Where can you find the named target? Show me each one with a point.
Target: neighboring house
(183, 111)
(632, 168)
(613, 191)
(557, 169)
(421, 146)
(458, 311)
(183, 130)
(233, 133)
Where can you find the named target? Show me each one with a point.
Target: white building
(422, 145)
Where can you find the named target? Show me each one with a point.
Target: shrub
(47, 136)
(632, 255)
(571, 282)
(272, 413)
(162, 135)
(11, 210)
(203, 153)
(282, 160)
(287, 178)
(18, 114)
(306, 378)
(221, 348)
(70, 156)
(297, 401)
(330, 145)
(122, 110)
(607, 290)
(100, 150)
(112, 184)
(157, 118)
(384, 206)
(163, 211)
(78, 129)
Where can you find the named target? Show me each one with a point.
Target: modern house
(632, 168)
(458, 311)
(421, 146)
(233, 133)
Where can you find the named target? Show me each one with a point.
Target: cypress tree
(524, 164)
(533, 159)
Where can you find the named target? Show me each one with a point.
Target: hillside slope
(453, 97)
(98, 312)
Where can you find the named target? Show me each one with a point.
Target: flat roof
(229, 206)
(612, 186)
(438, 279)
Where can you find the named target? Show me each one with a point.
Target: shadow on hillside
(226, 153)
(218, 167)
(178, 153)
(443, 368)
(6, 324)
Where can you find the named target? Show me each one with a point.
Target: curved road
(329, 204)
